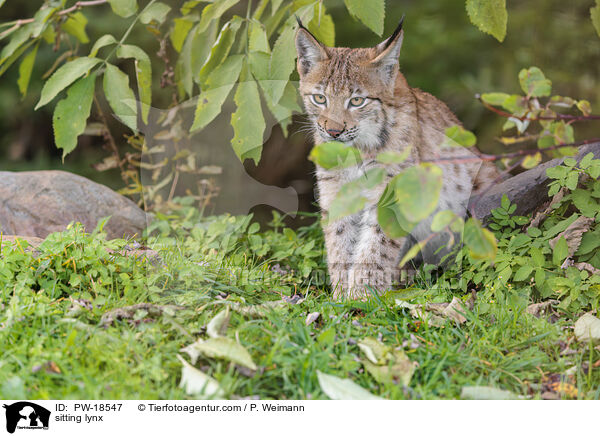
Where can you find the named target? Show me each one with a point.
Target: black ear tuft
(392, 38)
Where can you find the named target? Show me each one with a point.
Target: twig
(541, 117)
(496, 157)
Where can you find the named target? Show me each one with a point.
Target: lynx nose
(334, 129)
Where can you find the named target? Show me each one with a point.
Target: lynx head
(346, 91)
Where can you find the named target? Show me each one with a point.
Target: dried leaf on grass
(343, 389)
(574, 233)
(221, 348)
(539, 309)
(437, 313)
(129, 312)
(217, 326)
(486, 393)
(195, 382)
(385, 364)
(587, 328)
(311, 318)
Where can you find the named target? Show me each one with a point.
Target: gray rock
(37, 203)
(528, 190)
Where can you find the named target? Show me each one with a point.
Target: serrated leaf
(534, 83)
(103, 41)
(335, 155)
(120, 96)
(75, 25)
(218, 86)
(248, 122)
(143, 73)
(343, 389)
(71, 113)
(489, 16)
(322, 27)
(458, 136)
(195, 382)
(64, 76)
(25, 70)
(257, 38)
(371, 13)
(157, 12)
(222, 348)
(480, 242)
(417, 191)
(123, 8)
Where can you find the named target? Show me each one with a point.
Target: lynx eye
(357, 101)
(319, 99)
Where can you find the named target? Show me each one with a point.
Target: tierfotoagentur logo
(24, 415)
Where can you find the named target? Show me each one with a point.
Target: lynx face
(345, 91)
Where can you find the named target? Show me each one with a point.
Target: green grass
(210, 263)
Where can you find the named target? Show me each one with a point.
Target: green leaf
(393, 157)
(343, 389)
(560, 251)
(523, 273)
(6, 63)
(335, 155)
(214, 11)
(257, 40)
(371, 13)
(489, 16)
(283, 62)
(120, 96)
(351, 199)
(71, 113)
(412, 253)
(417, 191)
(19, 37)
(583, 105)
(495, 98)
(480, 242)
(221, 48)
(442, 220)
(389, 215)
(218, 86)
(143, 72)
(181, 29)
(458, 136)
(25, 70)
(123, 8)
(248, 122)
(75, 25)
(155, 12)
(288, 104)
(595, 15)
(586, 204)
(534, 83)
(103, 41)
(322, 27)
(64, 76)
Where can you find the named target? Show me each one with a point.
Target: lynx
(360, 98)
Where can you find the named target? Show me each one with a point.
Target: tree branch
(523, 118)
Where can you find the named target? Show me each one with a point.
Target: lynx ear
(310, 51)
(388, 52)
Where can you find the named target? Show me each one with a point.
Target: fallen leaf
(217, 326)
(574, 233)
(374, 350)
(538, 309)
(49, 367)
(486, 393)
(195, 382)
(223, 348)
(128, 312)
(583, 266)
(454, 309)
(587, 328)
(343, 389)
(398, 369)
(259, 310)
(312, 317)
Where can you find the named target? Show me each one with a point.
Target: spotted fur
(392, 117)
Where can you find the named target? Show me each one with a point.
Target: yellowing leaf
(534, 83)
(120, 96)
(481, 242)
(531, 161)
(75, 25)
(71, 114)
(489, 16)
